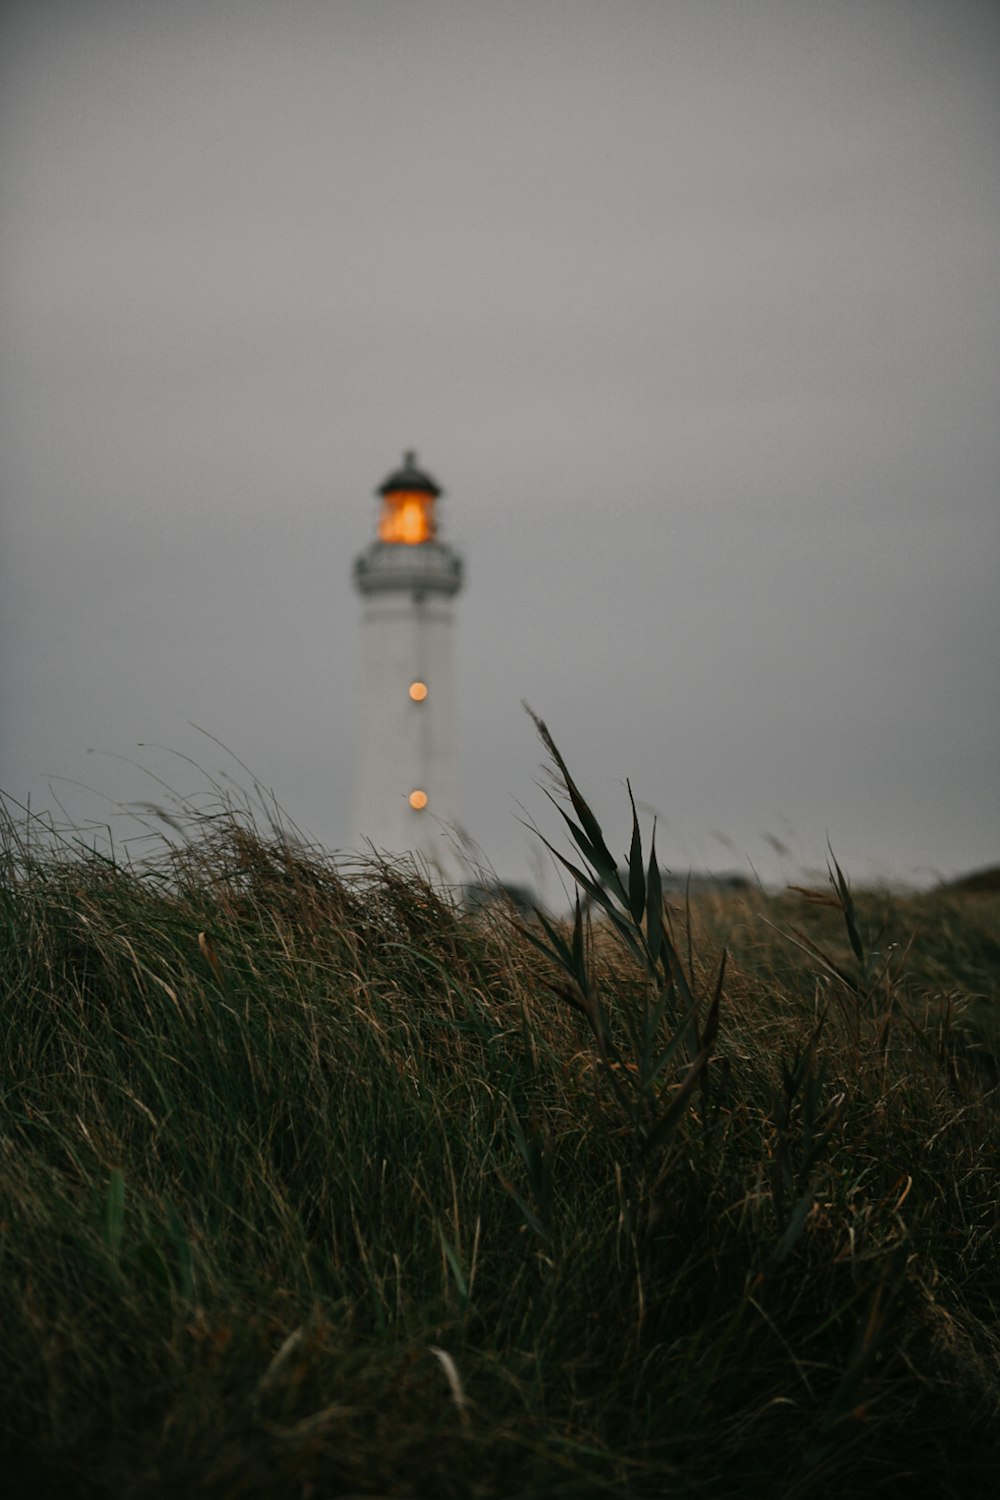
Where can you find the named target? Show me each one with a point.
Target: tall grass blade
(840, 885)
(636, 873)
(678, 1107)
(654, 906)
(114, 1212)
(599, 854)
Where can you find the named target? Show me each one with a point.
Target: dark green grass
(320, 1188)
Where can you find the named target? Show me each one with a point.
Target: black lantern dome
(410, 479)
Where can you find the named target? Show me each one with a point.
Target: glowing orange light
(407, 516)
(418, 691)
(418, 801)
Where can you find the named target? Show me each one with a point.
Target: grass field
(313, 1187)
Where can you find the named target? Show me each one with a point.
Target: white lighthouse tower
(406, 778)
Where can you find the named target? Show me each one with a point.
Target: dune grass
(316, 1186)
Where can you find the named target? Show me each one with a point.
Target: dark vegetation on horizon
(313, 1187)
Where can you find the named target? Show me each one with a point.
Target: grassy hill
(313, 1187)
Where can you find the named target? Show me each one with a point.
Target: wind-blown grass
(315, 1186)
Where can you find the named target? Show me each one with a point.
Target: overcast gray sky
(691, 306)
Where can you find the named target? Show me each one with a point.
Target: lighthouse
(406, 777)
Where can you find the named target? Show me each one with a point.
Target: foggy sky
(691, 307)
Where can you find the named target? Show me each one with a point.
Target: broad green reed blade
(598, 854)
(636, 874)
(843, 890)
(654, 906)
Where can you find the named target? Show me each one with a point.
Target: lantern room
(408, 497)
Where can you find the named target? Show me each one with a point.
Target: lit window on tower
(418, 691)
(418, 800)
